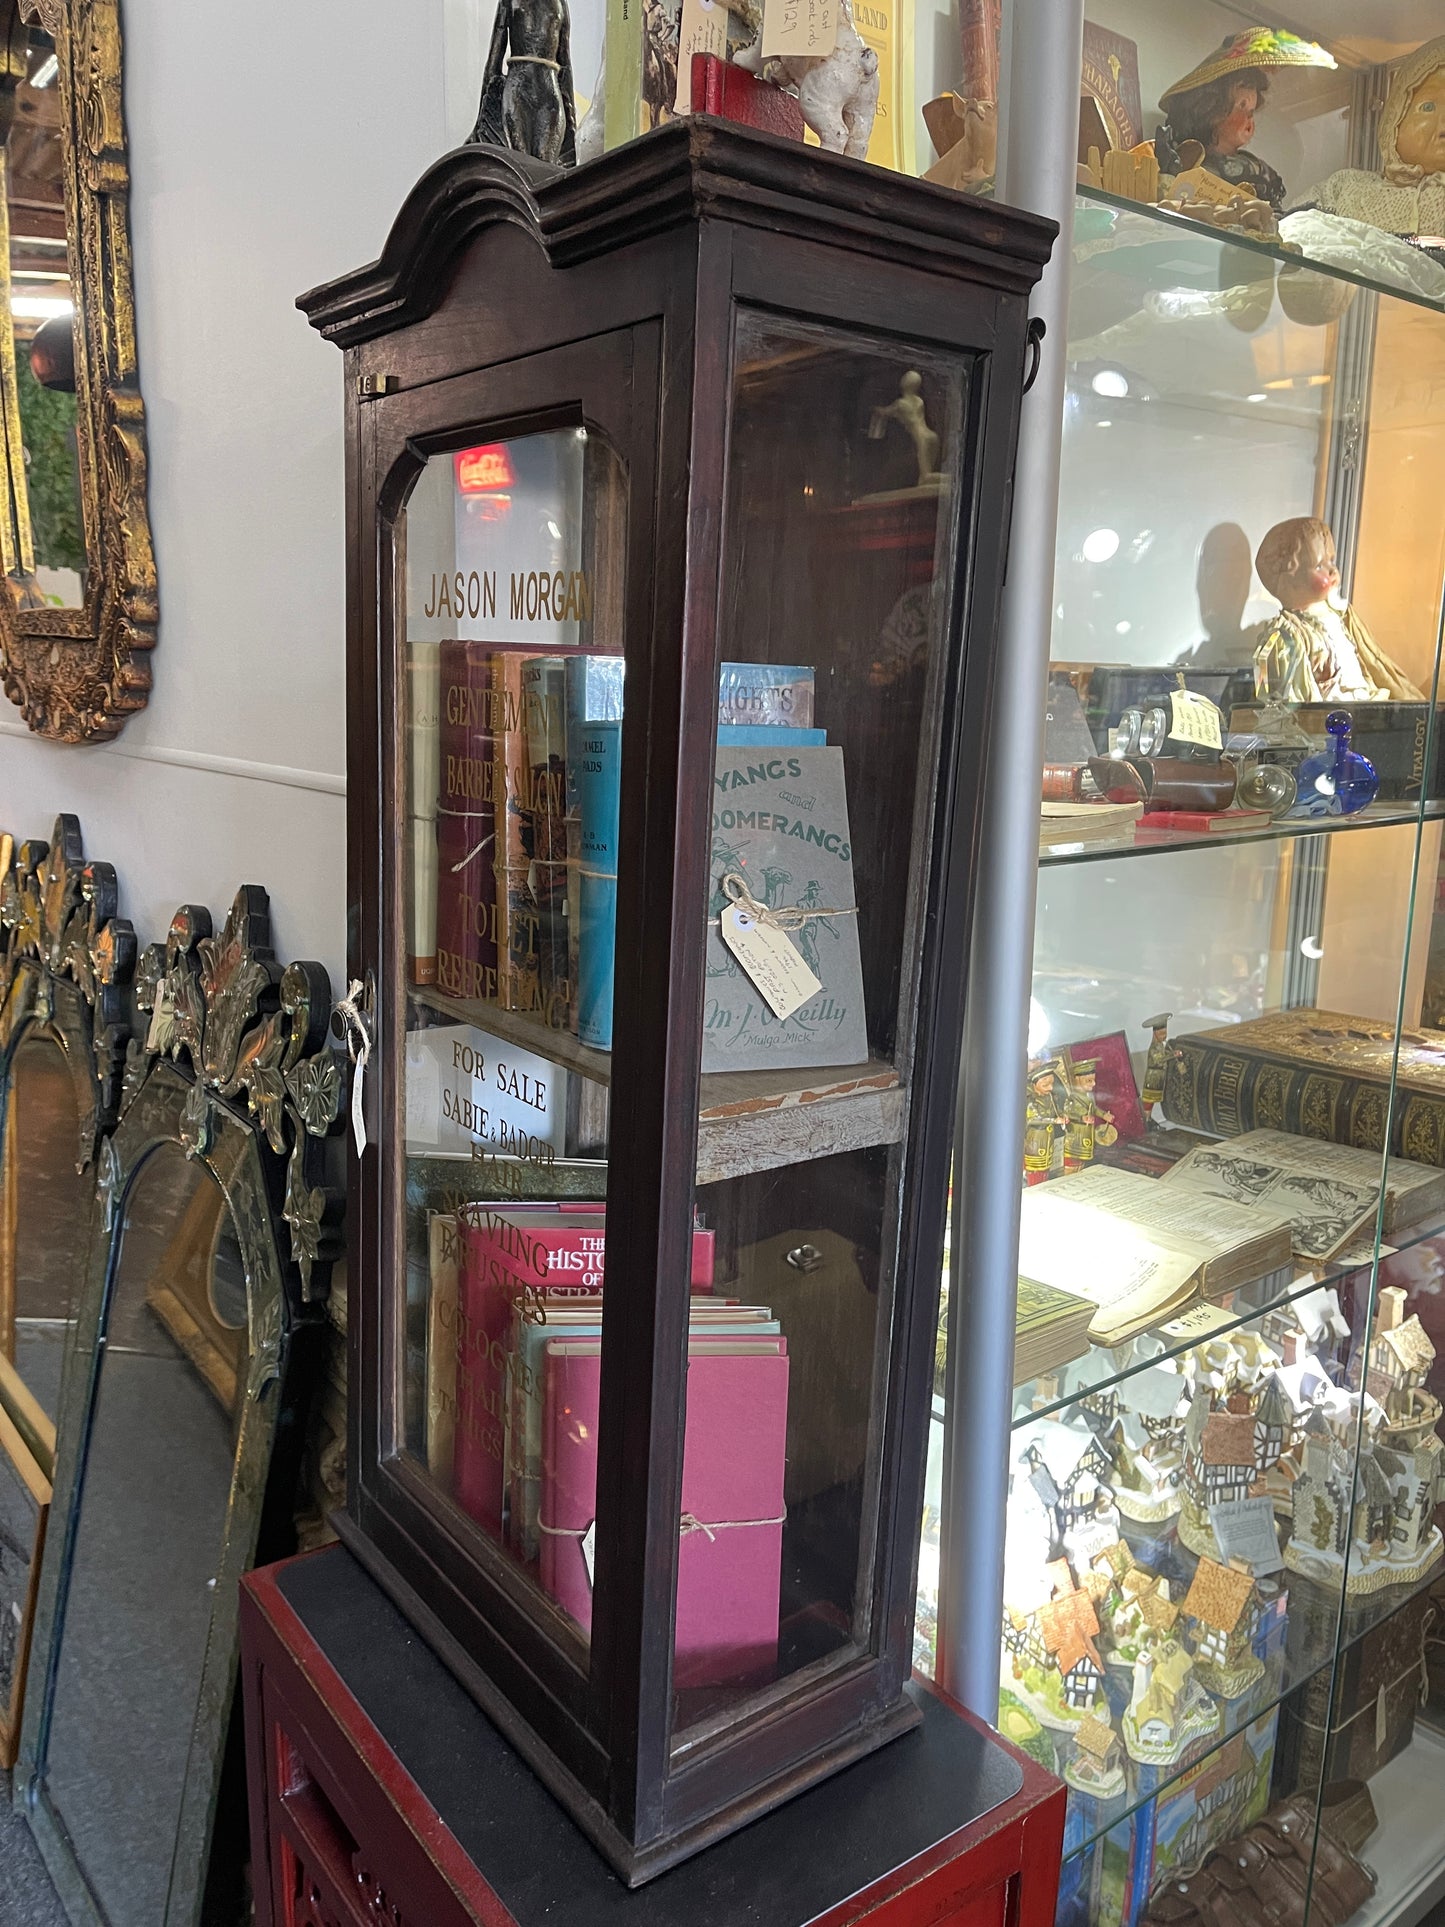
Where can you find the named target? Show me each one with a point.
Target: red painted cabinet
(381, 1794)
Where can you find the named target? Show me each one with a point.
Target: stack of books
(516, 1332)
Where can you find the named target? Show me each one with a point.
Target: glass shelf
(1156, 244)
(1377, 816)
(1090, 1818)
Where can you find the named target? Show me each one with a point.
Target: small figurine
(908, 412)
(1317, 649)
(1043, 1120)
(1096, 1767)
(1407, 197)
(1214, 108)
(528, 103)
(1169, 1709)
(1222, 1607)
(1157, 1062)
(837, 91)
(965, 135)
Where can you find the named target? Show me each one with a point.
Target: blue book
(767, 736)
(593, 693)
(765, 693)
(598, 775)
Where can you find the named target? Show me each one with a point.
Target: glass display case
(1223, 1557)
(675, 571)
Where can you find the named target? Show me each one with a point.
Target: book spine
(768, 736)
(423, 735)
(544, 686)
(593, 694)
(466, 904)
(1209, 1087)
(599, 786)
(441, 1348)
(622, 87)
(512, 790)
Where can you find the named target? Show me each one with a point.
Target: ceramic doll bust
(1217, 103)
(1407, 196)
(1317, 649)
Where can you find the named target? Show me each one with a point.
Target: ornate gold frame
(78, 673)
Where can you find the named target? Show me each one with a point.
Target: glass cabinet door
(509, 571)
(1224, 1515)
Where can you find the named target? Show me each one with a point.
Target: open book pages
(1413, 1192)
(1141, 1250)
(1325, 1211)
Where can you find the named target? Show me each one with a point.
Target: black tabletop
(783, 1870)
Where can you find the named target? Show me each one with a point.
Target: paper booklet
(1141, 1251)
(1324, 1211)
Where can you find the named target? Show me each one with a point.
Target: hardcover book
(1316, 1073)
(423, 746)
(544, 686)
(441, 1347)
(593, 694)
(734, 1450)
(599, 793)
(765, 692)
(466, 895)
(518, 986)
(780, 824)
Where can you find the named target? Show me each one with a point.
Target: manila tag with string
(757, 937)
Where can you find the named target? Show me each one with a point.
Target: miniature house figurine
(1097, 1765)
(1147, 1466)
(1400, 1357)
(1220, 1610)
(1169, 1709)
(1380, 1523)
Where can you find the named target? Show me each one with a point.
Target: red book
(511, 1259)
(517, 923)
(467, 911)
(734, 1452)
(1202, 822)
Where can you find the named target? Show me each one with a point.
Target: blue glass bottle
(1335, 781)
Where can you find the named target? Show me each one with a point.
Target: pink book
(511, 1257)
(733, 1461)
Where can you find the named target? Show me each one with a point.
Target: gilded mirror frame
(78, 673)
(66, 961)
(230, 1065)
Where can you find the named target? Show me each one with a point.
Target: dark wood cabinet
(679, 495)
(380, 1794)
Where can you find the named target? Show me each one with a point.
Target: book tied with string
(733, 1458)
(780, 833)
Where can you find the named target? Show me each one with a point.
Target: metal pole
(1042, 56)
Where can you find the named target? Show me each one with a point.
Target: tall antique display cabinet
(679, 493)
(1223, 1596)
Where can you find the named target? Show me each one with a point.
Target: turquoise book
(592, 688)
(780, 825)
(766, 736)
(598, 773)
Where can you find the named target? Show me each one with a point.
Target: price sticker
(589, 1549)
(793, 27)
(1195, 719)
(1198, 1322)
(702, 30)
(770, 960)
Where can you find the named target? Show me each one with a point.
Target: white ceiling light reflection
(1101, 545)
(1111, 382)
(1312, 948)
(1038, 1027)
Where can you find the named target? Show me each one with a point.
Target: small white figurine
(837, 91)
(908, 412)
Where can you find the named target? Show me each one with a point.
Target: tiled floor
(27, 1898)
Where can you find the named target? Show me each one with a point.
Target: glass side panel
(1233, 1149)
(843, 462)
(510, 556)
(46, 1213)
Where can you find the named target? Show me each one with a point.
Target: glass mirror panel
(151, 1521)
(48, 1215)
(510, 559)
(835, 598)
(44, 544)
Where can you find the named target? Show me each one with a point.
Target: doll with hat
(1213, 109)
(1407, 196)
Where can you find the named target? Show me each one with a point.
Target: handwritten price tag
(703, 30)
(799, 27)
(589, 1549)
(781, 976)
(1195, 719)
